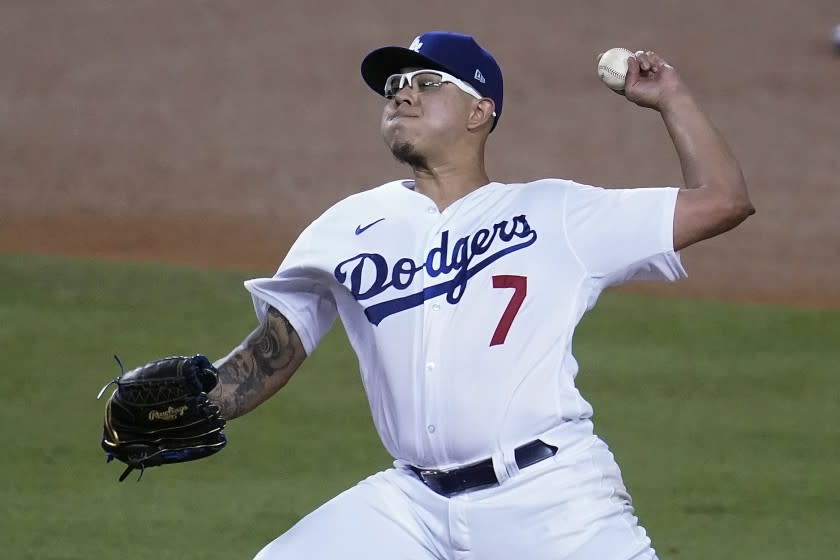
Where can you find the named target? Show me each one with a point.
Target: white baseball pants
(568, 507)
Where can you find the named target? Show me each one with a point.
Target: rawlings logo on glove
(169, 414)
(160, 414)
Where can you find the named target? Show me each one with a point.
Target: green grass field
(724, 418)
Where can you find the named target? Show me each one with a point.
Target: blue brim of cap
(382, 63)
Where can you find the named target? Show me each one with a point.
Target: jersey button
(431, 210)
(430, 366)
(430, 428)
(435, 307)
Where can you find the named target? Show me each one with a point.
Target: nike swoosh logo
(360, 230)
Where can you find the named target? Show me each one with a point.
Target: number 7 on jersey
(520, 287)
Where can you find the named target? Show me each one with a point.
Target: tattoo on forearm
(259, 367)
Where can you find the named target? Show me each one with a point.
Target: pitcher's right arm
(259, 367)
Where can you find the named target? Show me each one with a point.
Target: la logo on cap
(415, 44)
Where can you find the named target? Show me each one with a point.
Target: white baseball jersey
(462, 320)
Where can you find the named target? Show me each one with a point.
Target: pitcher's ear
(481, 114)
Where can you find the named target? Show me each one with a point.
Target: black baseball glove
(159, 414)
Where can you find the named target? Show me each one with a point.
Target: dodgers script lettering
(369, 274)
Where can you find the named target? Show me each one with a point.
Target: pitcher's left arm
(714, 198)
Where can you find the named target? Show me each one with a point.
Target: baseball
(612, 67)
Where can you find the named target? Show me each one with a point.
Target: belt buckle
(436, 481)
(456, 481)
(426, 474)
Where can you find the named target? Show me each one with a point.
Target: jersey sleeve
(624, 234)
(300, 291)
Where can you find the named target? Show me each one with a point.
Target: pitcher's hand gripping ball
(612, 67)
(159, 414)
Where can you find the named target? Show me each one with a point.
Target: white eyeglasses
(426, 80)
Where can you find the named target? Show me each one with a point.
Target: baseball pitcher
(460, 295)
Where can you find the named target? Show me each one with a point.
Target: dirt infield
(211, 133)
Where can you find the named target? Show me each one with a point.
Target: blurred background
(155, 154)
(212, 132)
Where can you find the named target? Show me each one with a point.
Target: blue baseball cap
(454, 53)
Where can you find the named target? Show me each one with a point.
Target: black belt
(481, 474)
